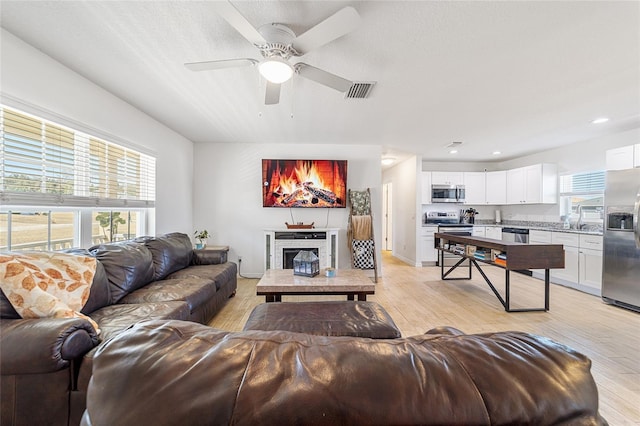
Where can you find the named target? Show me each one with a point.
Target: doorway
(387, 223)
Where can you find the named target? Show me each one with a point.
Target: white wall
(406, 192)
(583, 156)
(228, 196)
(35, 83)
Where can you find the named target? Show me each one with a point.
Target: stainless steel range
(449, 222)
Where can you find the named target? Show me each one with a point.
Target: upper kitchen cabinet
(475, 188)
(447, 178)
(426, 188)
(496, 187)
(536, 184)
(621, 158)
(636, 155)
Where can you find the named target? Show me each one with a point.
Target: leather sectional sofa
(46, 364)
(182, 373)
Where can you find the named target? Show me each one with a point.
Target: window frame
(136, 165)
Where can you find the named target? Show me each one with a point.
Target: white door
(387, 223)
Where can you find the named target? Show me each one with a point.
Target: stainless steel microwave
(447, 193)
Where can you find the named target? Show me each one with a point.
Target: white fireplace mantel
(327, 247)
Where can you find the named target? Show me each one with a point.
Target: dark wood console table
(519, 256)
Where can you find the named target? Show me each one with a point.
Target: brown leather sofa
(180, 373)
(46, 364)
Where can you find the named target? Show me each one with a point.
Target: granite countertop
(538, 226)
(544, 226)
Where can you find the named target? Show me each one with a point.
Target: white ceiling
(513, 76)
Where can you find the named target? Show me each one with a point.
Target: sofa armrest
(32, 346)
(209, 257)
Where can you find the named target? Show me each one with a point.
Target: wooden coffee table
(350, 282)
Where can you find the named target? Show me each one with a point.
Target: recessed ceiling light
(453, 151)
(496, 153)
(386, 161)
(600, 120)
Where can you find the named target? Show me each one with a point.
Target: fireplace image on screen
(304, 183)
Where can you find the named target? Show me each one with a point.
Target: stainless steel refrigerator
(621, 263)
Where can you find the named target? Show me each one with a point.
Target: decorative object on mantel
(299, 225)
(201, 238)
(306, 263)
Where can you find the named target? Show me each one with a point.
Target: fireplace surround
(323, 242)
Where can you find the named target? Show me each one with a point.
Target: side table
(212, 254)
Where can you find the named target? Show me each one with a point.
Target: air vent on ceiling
(454, 144)
(359, 90)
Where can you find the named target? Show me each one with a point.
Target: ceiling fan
(278, 43)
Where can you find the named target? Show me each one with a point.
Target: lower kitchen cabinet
(479, 231)
(428, 252)
(571, 270)
(590, 262)
(583, 262)
(494, 232)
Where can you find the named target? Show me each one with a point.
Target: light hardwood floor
(418, 300)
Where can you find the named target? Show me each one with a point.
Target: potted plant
(201, 238)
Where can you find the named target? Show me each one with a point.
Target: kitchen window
(582, 197)
(53, 178)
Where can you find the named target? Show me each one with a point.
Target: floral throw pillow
(47, 284)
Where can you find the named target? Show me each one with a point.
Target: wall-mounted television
(304, 183)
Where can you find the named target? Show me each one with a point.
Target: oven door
(444, 194)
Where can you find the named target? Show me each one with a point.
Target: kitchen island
(510, 256)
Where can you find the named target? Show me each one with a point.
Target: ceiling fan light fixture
(275, 70)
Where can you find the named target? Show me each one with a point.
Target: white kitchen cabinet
(426, 188)
(571, 243)
(496, 187)
(535, 184)
(494, 232)
(428, 253)
(479, 231)
(590, 261)
(583, 261)
(474, 188)
(537, 236)
(447, 178)
(515, 186)
(636, 155)
(620, 158)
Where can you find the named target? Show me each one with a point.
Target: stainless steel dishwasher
(518, 235)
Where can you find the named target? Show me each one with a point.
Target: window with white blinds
(583, 183)
(43, 163)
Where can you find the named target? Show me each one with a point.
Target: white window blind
(583, 183)
(43, 163)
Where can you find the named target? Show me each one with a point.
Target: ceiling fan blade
(340, 23)
(238, 21)
(272, 95)
(216, 65)
(323, 77)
